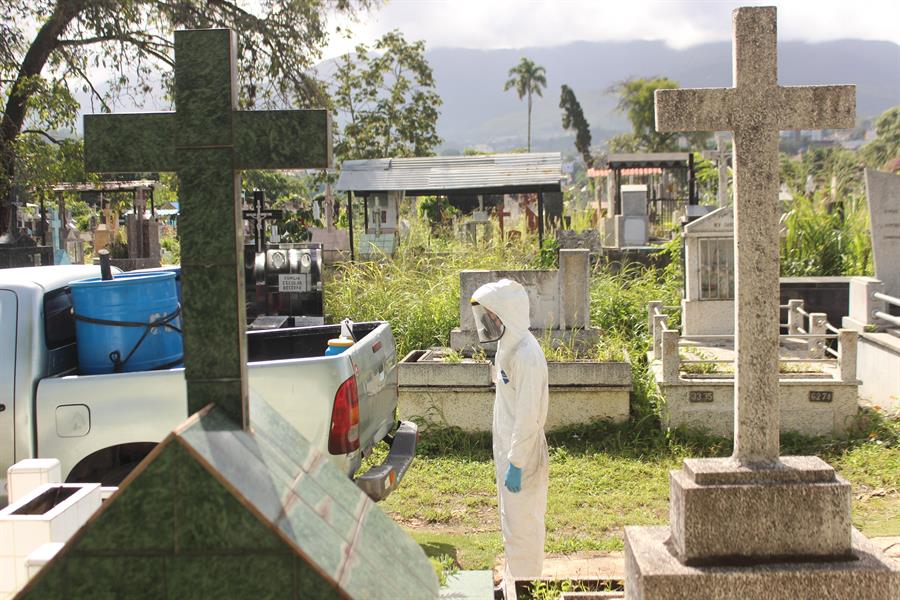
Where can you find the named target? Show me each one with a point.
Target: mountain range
(477, 113)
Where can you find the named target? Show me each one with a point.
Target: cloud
(524, 23)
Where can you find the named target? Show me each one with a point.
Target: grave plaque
(821, 396)
(700, 396)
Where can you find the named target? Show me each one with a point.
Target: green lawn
(603, 477)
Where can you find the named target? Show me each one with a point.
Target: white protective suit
(520, 410)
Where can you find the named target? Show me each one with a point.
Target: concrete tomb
(878, 361)
(461, 393)
(632, 226)
(20, 250)
(756, 525)
(143, 236)
(708, 305)
(335, 242)
(234, 503)
(382, 224)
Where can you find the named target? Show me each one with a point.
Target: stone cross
(755, 109)
(259, 218)
(720, 155)
(208, 141)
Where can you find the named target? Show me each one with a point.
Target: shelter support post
(350, 224)
(366, 213)
(540, 220)
(692, 181)
(43, 222)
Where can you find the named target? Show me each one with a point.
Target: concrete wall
(829, 295)
(707, 317)
(878, 366)
(798, 413)
(462, 395)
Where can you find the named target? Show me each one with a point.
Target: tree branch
(43, 133)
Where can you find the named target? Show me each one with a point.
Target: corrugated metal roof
(648, 159)
(496, 171)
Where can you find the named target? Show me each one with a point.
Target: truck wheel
(118, 474)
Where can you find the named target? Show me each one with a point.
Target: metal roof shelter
(99, 186)
(530, 173)
(620, 164)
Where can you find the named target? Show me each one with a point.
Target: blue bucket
(129, 323)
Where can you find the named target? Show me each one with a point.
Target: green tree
(573, 118)
(527, 78)
(886, 146)
(637, 102)
(51, 48)
(388, 100)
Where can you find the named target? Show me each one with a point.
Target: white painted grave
(708, 305)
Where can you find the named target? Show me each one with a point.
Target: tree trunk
(39, 52)
(529, 120)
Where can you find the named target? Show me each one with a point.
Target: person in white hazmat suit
(520, 410)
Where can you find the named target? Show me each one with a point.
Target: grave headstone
(631, 228)
(756, 525)
(558, 299)
(230, 504)
(883, 195)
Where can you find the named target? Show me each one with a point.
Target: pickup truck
(101, 426)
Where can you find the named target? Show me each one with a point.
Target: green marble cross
(208, 141)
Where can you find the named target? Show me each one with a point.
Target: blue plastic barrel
(129, 323)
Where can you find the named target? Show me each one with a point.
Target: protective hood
(508, 300)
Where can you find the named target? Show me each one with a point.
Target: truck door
(8, 326)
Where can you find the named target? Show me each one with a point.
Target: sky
(490, 24)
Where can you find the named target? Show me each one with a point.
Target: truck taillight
(344, 436)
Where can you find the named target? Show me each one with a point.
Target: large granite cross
(755, 109)
(208, 141)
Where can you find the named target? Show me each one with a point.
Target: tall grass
(417, 291)
(826, 240)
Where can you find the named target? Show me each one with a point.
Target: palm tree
(527, 78)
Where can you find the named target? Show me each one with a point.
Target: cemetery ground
(602, 475)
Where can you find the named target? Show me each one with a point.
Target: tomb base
(724, 513)
(652, 572)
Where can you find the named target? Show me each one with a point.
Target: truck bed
(298, 342)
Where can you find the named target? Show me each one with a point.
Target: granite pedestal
(652, 572)
(722, 513)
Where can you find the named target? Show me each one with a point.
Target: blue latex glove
(513, 479)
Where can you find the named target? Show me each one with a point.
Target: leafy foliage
(886, 146)
(50, 49)
(637, 102)
(826, 240)
(527, 78)
(389, 100)
(573, 118)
